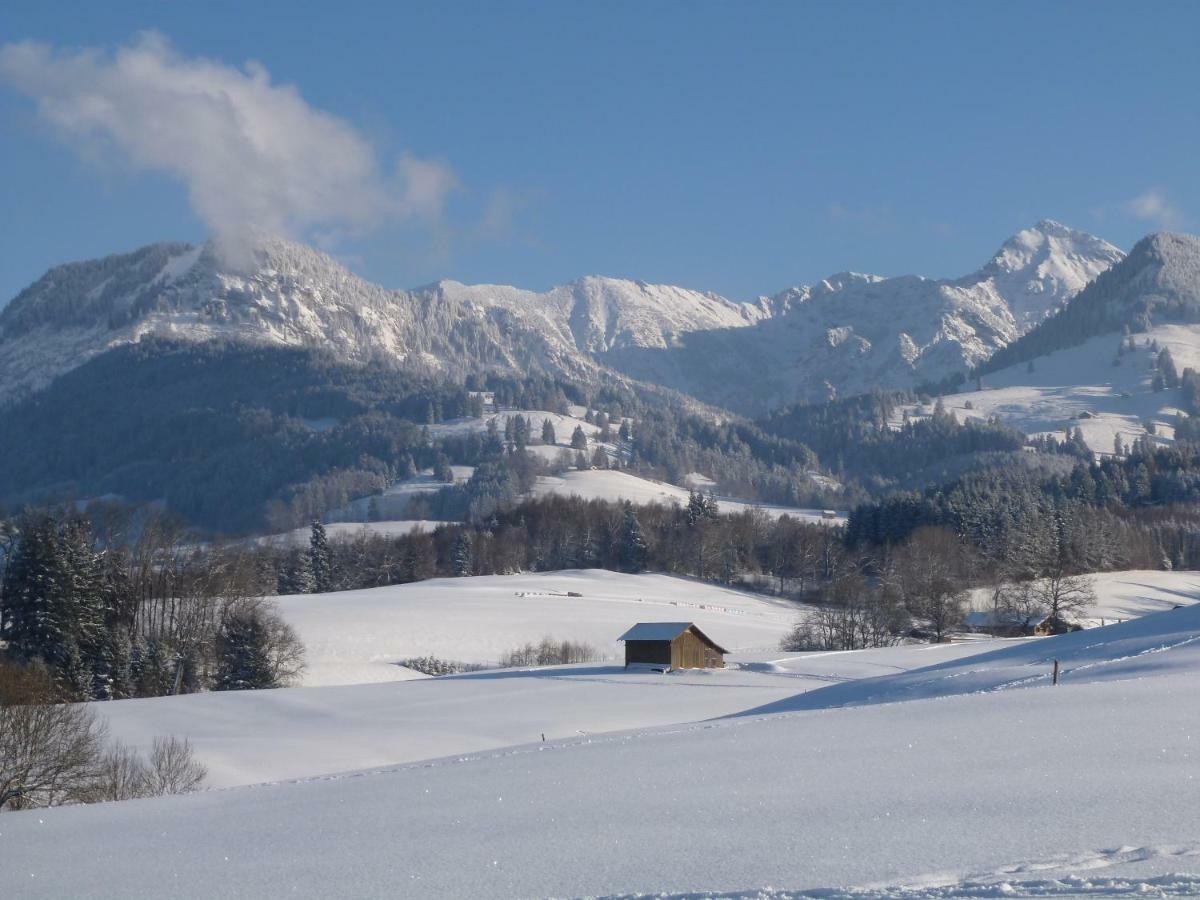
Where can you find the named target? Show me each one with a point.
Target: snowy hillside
(353, 636)
(359, 636)
(1084, 788)
(1080, 386)
(615, 485)
(331, 730)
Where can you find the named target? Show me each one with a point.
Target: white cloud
(1153, 205)
(252, 154)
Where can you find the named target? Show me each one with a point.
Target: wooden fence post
(1056, 671)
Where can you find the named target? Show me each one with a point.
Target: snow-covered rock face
(1040, 268)
(848, 333)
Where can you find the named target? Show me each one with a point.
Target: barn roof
(665, 631)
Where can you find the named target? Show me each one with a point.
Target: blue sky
(740, 148)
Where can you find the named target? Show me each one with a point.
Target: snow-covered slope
(848, 333)
(355, 635)
(982, 794)
(358, 636)
(1081, 387)
(613, 485)
(330, 730)
(1168, 640)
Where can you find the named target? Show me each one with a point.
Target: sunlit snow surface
(993, 783)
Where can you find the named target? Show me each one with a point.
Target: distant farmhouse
(1014, 625)
(671, 645)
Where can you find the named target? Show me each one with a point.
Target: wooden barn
(671, 645)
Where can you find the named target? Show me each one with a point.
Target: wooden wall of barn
(689, 652)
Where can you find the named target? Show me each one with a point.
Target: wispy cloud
(252, 153)
(1153, 205)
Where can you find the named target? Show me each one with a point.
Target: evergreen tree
(548, 436)
(121, 680)
(243, 659)
(633, 548)
(296, 575)
(463, 554)
(578, 439)
(319, 559)
(521, 432)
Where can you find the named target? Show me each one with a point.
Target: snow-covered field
(300, 537)
(993, 783)
(1083, 381)
(1126, 595)
(357, 636)
(608, 484)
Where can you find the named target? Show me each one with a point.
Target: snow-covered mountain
(848, 333)
(288, 294)
(851, 332)
(1158, 283)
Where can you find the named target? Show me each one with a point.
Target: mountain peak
(1041, 267)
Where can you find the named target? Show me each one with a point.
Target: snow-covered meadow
(359, 636)
(986, 780)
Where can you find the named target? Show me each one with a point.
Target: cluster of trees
(1118, 511)
(111, 617)
(556, 532)
(549, 652)
(53, 753)
(858, 438)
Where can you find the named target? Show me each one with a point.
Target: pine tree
(633, 550)
(578, 439)
(463, 554)
(243, 660)
(121, 679)
(319, 559)
(521, 432)
(548, 436)
(296, 576)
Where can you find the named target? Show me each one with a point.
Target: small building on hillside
(1011, 624)
(671, 645)
(1055, 625)
(1000, 624)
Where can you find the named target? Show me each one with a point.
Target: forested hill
(1158, 282)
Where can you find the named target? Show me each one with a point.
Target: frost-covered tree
(463, 554)
(578, 439)
(633, 548)
(548, 436)
(319, 559)
(296, 575)
(520, 432)
(256, 648)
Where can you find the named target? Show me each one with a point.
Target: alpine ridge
(848, 333)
